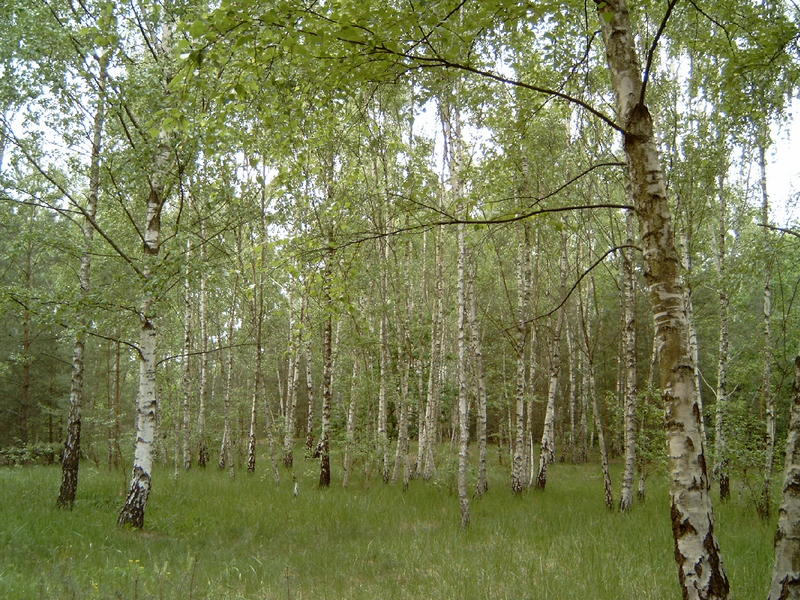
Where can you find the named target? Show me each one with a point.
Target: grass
(208, 537)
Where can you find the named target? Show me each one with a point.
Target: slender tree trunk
(350, 427)
(631, 390)
(133, 510)
(548, 446)
(404, 354)
(547, 453)
(584, 420)
(785, 583)
(226, 452)
(187, 377)
(114, 451)
(324, 436)
(383, 380)
(767, 398)
(523, 329)
(720, 450)
(482, 485)
(691, 330)
(70, 457)
(572, 361)
(608, 496)
(434, 378)
(463, 397)
(251, 437)
(310, 398)
(697, 554)
(202, 455)
(27, 359)
(296, 323)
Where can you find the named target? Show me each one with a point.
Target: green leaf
(351, 34)
(198, 28)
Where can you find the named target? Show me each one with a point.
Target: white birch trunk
(226, 452)
(132, 512)
(691, 330)
(383, 381)
(296, 323)
(572, 361)
(251, 437)
(547, 452)
(700, 571)
(463, 397)
(785, 584)
(482, 485)
(434, 378)
(70, 457)
(720, 450)
(186, 432)
(631, 390)
(518, 478)
(350, 427)
(767, 398)
(310, 398)
(327, 370)
(404, 353)
(202, 393)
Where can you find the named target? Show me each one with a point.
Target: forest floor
(209, 537)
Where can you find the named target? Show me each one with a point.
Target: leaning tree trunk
(786, 572)
(547, 452)
(71, 454)
(767, 398)
(132, 512)
(629, 342)
(720, 446)
(691, 329)
(700, 570)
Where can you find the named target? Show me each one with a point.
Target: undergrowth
(209, 537)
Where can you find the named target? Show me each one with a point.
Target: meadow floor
(209, 537)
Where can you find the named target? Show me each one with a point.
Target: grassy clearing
(210, 537)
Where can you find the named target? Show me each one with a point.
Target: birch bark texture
(132, 512)
(629, 343)
(785, 583)
(700, 569)
(547, 453)
(767, 398)
(327, 376)
(523, 328)
(720, 445)
(70, 457)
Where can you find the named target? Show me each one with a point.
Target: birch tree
(71, 454)
(785, 583)
(132, 512)
(629, 344)
(700, 570)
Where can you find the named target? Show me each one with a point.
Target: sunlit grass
(209, 537)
